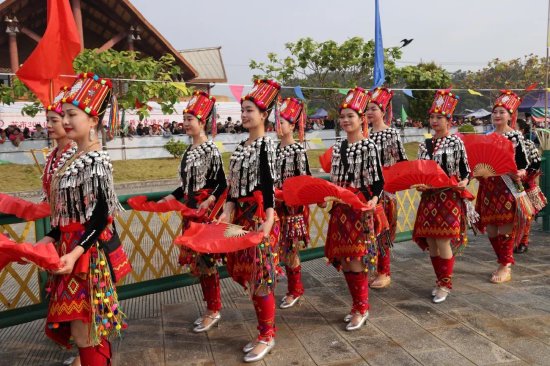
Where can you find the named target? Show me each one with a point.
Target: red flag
(54, 54)
(532, 87)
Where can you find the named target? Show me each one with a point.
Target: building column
(12, 28)
(77, 13)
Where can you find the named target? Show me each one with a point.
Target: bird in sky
(406, 42)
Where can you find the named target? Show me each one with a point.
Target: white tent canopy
(480, 113)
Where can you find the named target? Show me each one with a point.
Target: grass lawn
(16, 177)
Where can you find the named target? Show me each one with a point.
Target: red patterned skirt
(389, 202)
(87, 294)
(536, 197)
(495, 203)
(294, 232)
(441, 214)
(198, 263)
(255, 268)
(352, 234)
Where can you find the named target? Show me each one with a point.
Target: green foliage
(131, 65)
(327, 65)
(132, 95)
(175, 148)
(517, 73)
(423, 76)
(466, 128)
(498, 74)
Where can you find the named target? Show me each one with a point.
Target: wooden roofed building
(102, 24)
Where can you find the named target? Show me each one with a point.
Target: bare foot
(381, 281)
(76, 361)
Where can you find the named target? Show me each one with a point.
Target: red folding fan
(490, 155)
(326, 160)
(140, 203)
(218, 238)
(407, 174)
(23, 209)
(43, 255)
(279, 195)
(306, 190)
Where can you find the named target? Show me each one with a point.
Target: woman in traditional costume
(251, 203)
(351, 244)
(441, 218)
(391, 151)
(292, 161)
(83, 300)
(499, 201)
(530, 183)
(202, 184)
(64, 147)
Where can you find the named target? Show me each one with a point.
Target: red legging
(295, 285)
(210, 284)
(443, 269)
(526, 232)
(383, 266)
(503, 246)
(358, 285)
(265, 312)
(99, 355)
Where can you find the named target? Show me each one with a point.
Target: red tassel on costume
(265, 312)
(384, 261)
(211, 291)
(295, 285)
(358, 285)
(503, 246)
(99, 355)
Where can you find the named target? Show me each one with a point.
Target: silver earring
(92, 134)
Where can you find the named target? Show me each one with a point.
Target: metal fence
(147, 238)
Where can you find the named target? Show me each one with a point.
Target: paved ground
(480, 323)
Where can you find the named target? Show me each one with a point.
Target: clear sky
(458, 34)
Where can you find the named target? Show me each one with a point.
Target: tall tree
(326, 65)
(132, 95)
(498, 74)
(423, 76)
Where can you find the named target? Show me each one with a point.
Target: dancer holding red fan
(64, 149)
(499, 200)
(202, 184)
(391, 151)
(83, 301)
(292, 161)
(441, 220)
(250, 203)
(351, 244)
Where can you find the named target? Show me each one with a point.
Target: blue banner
(379, 75)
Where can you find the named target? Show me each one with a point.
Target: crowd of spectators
(15, 135)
